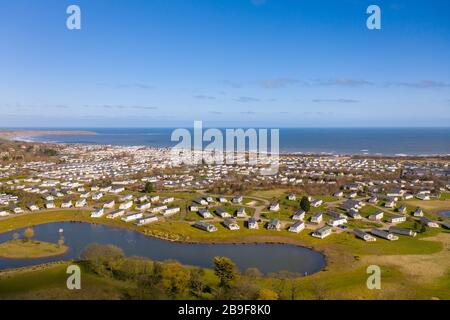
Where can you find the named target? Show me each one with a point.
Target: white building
(231, 224)
(322, 232)
(205, 213)
(146, 220)
(116, 214)
(132, 216)
(252, 223)
(317, 217)
(50, 205)
(66, 204)
(126, 205)
(143, 206)
(97, 213)
(299, 215)
(171, 210)
(240, 213)
(377, 216)
(337, 222)
(364, 235)
(109, 204)
(274, 207)
(80, 203)
(396, 219)
(297, 227)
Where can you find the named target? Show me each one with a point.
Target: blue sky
(277, 63)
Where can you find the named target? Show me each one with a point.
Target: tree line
(172, 280)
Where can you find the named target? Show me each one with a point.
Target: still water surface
(266, 257)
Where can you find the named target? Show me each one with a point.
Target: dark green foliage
(305, 204)
(225, 270)
(149, 188)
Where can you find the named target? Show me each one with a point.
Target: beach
(24, 134)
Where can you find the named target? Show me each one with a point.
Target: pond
(266, 257)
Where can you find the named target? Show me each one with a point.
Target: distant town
(341, 192)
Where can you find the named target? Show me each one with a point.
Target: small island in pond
(20, 249)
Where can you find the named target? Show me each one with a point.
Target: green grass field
(344, 276)
(22, 249)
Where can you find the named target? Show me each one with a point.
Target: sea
(349, 141)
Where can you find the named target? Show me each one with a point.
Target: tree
(305, 204)
(267, 294)
(225, 270)
(253, 273)
(175, 279)
(423, 228)
(102, 257)
(28, 233)
(149, 187)
(134, 267)
(196, 282)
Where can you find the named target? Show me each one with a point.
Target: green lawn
(445, 196)
(49, 282)
(343, 277)
(26, 249)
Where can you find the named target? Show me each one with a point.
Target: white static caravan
(159, 208)
(316, 203)
(240, 213)
(364, 235)
(297, 227)
(170, 211)
(4, 213)
(126, 205)
(168, 200)
(132, 216)
(97, 196)
(384, 234)
(143, 206)
(97, 213)
(116, 214)
(403, 231)
(80, 203)
(396, 219)
(299, 215)
(252, 223)
(322, 232)
(154, 199)
(337, 222)
(428, 222)
(66, 204)
(274, 207)
(231, 224)
(146, 220)
(205, 213)
(376, 216)
(109, 204)
(222, 213)
(205, 226)
(50, 205)
(317, 217)
(117, 190)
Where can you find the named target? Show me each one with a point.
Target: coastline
(24, 135)
(109, 137)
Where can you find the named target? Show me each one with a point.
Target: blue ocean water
(384, 141)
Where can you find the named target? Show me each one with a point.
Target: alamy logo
(239, 146)
(74, 280)
(73, 22)
(374, 20)
(374, 280)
